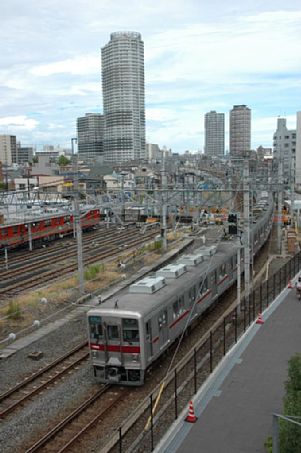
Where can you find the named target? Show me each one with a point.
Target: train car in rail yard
(128, 332)
(45, 229)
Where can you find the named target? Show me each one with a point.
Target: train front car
(115, 340)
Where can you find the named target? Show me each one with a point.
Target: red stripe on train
(223, 279)
(179, 319)
(204, 296)
(115, 348)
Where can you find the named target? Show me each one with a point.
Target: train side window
(4, 232)
(192, 294)
(200, 290)
(95, 327)
(47, 223)
(113, 332)
(175, 309)
(222, 271)
(130, 330)
(162, 320)
(233, 262)
(181, 304)
(204, 287)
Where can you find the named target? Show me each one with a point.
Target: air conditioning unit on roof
(191, 260)
(208, 251)
(172, 271)
(148, 285)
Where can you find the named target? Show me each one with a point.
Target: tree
(62, 161)
(290, 433)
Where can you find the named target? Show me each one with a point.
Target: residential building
(123, 97)
(46, 165)
(263, 152)
(8, 149)
(24, 154)
(284, 150)
(215, 134)
(153, 152)
(90, 135)
(298, 152)
(240, 131)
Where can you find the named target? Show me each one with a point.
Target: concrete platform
(235, 406)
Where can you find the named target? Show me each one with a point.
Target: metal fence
(143, 430)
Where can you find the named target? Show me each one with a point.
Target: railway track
(24, 260)
(35, 275)
(48, 258)
(24, 391)
(72, 428)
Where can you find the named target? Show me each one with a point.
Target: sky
(199, 56)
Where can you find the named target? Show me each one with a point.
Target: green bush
(93, 270)
(269, 445)
(290, 433)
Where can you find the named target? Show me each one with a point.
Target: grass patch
(93, 271)
(14, 310)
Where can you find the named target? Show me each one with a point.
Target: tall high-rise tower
(214, 134)
(240, 131)
(123, 97)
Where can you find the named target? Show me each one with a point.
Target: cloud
(19, 122)
(199, 56)
(82, 64)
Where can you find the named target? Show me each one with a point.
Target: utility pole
(292, 184)
(76, 216)
(163, 200)
(246, 228)
(279, 207)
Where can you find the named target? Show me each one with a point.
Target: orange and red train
(44, 229)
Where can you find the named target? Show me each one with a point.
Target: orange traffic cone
(259, 320)
(191, 417)
(289, 284)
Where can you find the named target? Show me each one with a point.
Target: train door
(149, 339)
(163, 327)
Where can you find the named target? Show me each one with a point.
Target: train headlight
(94, 354)
(135, 357)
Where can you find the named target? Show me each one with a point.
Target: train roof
(144, 303)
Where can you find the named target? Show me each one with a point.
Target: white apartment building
(8, 149)
(298, 152)
(123, 97)
(284, 150)
(215, 134)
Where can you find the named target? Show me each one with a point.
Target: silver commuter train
(129, 332)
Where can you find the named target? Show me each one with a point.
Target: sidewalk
(235, 406)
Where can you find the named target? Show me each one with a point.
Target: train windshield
(95, 327)
(113, 332)
(130, 330)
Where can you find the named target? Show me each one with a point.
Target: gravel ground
(53, 345)
(18, 430)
